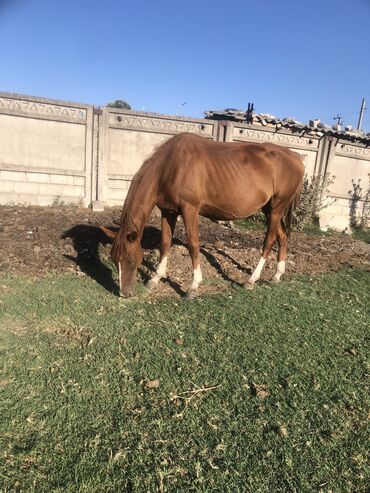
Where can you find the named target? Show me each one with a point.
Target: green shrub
(313, 200)
(359, 220)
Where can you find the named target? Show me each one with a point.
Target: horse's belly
(222, 199)
(220, 215)
(235, 198)
(229, 211)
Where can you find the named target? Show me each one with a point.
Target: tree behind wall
(119, 104)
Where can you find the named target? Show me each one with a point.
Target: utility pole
(362, 110)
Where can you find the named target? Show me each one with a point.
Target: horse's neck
(142, 202)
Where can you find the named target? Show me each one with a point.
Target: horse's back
(226, 179)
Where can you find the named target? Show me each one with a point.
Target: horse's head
(127, 255)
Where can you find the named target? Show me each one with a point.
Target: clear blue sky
(295, 58)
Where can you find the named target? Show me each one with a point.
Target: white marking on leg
(162, 267)
(257, 271)
(279, 271)
(160, 272)
(119, 274)
(197, 278)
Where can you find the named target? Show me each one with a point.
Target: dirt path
(37, 240)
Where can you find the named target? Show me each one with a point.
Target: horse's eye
(132, 236)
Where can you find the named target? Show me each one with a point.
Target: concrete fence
(54, 151)
(45, 150)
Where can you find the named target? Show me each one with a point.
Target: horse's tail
(289, 210)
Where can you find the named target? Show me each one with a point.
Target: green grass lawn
(261, 391)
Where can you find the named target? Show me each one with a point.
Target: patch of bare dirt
(37, 240)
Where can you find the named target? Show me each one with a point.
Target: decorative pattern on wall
(351, 150)
(148, 123)
(278, 138)
(34, 108)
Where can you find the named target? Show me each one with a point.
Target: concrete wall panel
(345, 169)
(45, 147)
(35, 143)
(128, 149)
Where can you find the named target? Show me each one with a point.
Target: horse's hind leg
(274, 221)
(168, 228)
(191, 221)
(283, 241)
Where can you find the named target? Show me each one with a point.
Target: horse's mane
(150, 170)
(153, 166)
(126, 218)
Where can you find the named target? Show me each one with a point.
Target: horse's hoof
(150, 285)
(190, 295)
(248, 286)
(275, 280)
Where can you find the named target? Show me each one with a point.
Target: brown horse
(190, 175)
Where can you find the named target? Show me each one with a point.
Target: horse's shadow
(151, 240)
(86, 240)
(216, 264)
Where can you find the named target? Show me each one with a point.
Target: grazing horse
(192, 176)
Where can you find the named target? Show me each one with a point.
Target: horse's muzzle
(126, 295)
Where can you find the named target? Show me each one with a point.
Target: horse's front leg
(168, 228)
(191, 221)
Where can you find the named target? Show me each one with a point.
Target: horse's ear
(132, 236)
(109, 233)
